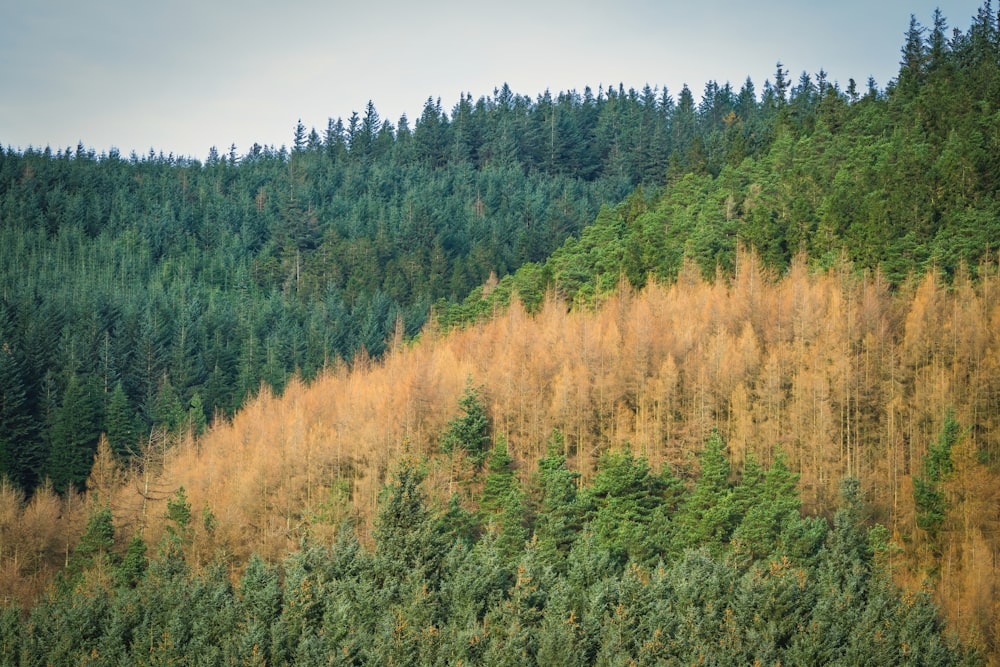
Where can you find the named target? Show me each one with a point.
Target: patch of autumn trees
(841, 375)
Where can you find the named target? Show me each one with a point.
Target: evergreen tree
(627, 502)
(167, 411)
(471, 430)
(707, 516)
(18, 455)
(94, 551)
(406, 542)
(133, 564)
(559, 515)
(196, 415)
(74, 434)
(501, 501)
(120, 424)
(928, 494)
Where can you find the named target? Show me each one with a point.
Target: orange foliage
(844, 376)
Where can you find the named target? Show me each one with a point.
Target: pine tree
(559, 515)
(168, 412)
(17, 431)
(405, 539)
(120, 424)
(74, 434)
(707, 516)
(133, 564)
(625, 498)
(94, 551)
(471, 430)
(196, 415)
(928, 494)
(502, 502)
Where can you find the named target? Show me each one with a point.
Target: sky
(183, 76)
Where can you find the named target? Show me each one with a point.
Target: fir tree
(471, 430)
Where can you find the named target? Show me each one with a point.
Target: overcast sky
(181, 76)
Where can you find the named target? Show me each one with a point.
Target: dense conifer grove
(612, 377)
(627, 570)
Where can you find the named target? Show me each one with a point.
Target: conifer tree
(167, 411)
(625, 498)
(74, 434)
(502, 501)
(928, 494)
(133, 564)
(17, 431)
(95, 547)
(471, 430)
(707, 516)
(120, 424)
(559, 515)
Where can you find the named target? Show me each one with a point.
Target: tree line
(897, 180)
(160, 291)
(636, 567)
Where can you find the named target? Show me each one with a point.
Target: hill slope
(841, 375)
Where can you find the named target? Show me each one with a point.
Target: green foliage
(74, 434)
(559, 514)
(16, 423)
(178, 533)
(94, 550)
(422, 597)
(502, 502)
(133, 564)
(770, 523)
(928, 494)
(501, 481)
(627, 506)
(144, 285)
(708, 514)
(121, 424)
(471, 431)
(167, 412)
(409, 542)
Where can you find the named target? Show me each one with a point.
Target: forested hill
(900, 181)
(651, 477)
(157, 291)
(154, 291)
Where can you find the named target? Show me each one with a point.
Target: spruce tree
(17, 428)
(120, 424)
(928, 494)
(707, 516)
(471, 430)
(74, 434)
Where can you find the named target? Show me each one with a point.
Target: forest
(604, 377)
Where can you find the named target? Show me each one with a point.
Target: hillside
(366, 364)
(840, 375)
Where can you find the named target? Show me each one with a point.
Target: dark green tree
(559, 515)
(133, 564)
(928, 494)
(627, 505)
(94, 550)
(167, 411)
(74, 434)
(120, 424)
(17, 427)
(471, 431)
(708, 515)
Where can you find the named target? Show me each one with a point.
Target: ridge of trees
(898, 180)
(853, 365)
(159, 292)
(844, 375)
(640, 573)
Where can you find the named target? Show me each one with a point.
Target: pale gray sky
(182, 76)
